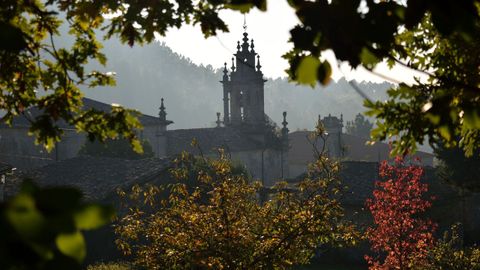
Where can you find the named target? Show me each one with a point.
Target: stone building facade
(18, 148)
(339, 145)
(246, 133)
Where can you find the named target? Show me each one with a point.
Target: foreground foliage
(442, 107)
(224, 221)
(110, 266)
(399, 236)
(42, 228)
(36, 72)
(457, 169)
(449, 254)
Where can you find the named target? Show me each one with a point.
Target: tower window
(228, 107)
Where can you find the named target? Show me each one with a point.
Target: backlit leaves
(36, 72)
(72, 245)
(363, 32)
(214, 217)
(400, 238)
(441, 108)
(306, 71)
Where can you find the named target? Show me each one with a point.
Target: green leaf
(324, 73)
(434, 118)
(137, 146)
(368, 58)
(472, 119)
(243, 8)
(93, 216)
(306, 72)
(72, 245)
(25, 217)
(445, 132)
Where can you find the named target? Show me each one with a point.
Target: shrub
(111, 266)
(448, 254)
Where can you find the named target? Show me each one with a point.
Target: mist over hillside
(193, 93)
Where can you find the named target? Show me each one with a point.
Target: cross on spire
(245, 22)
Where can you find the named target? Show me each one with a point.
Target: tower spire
(243, 92)
(163, 117)
(162, 114)
(284, 123)
(258, 63)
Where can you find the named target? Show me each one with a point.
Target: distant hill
(193, 93)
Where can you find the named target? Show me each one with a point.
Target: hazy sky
(270, 31)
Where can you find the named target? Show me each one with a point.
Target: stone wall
(270, 170)
(157, 140)
(18, 148)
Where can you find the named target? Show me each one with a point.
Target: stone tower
(243, 88)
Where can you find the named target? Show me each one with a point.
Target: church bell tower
(243, 88)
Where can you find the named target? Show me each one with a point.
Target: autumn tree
(219, 221)
(448, 253)
(399, 235)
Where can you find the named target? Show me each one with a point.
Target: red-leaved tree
(399, 236)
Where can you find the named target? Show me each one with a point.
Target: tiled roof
(98, 177)
(209, 139)
(87, 104)
(359, 179)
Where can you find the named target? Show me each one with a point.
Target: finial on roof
(162, 113)
(285, 129)
(238, 46)
(252, 46)
(245, 22)
(245, 39)
(225, 71)
(219, 122)
(163, 117)
(341, 117)
(258, 63)
(233, 64)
